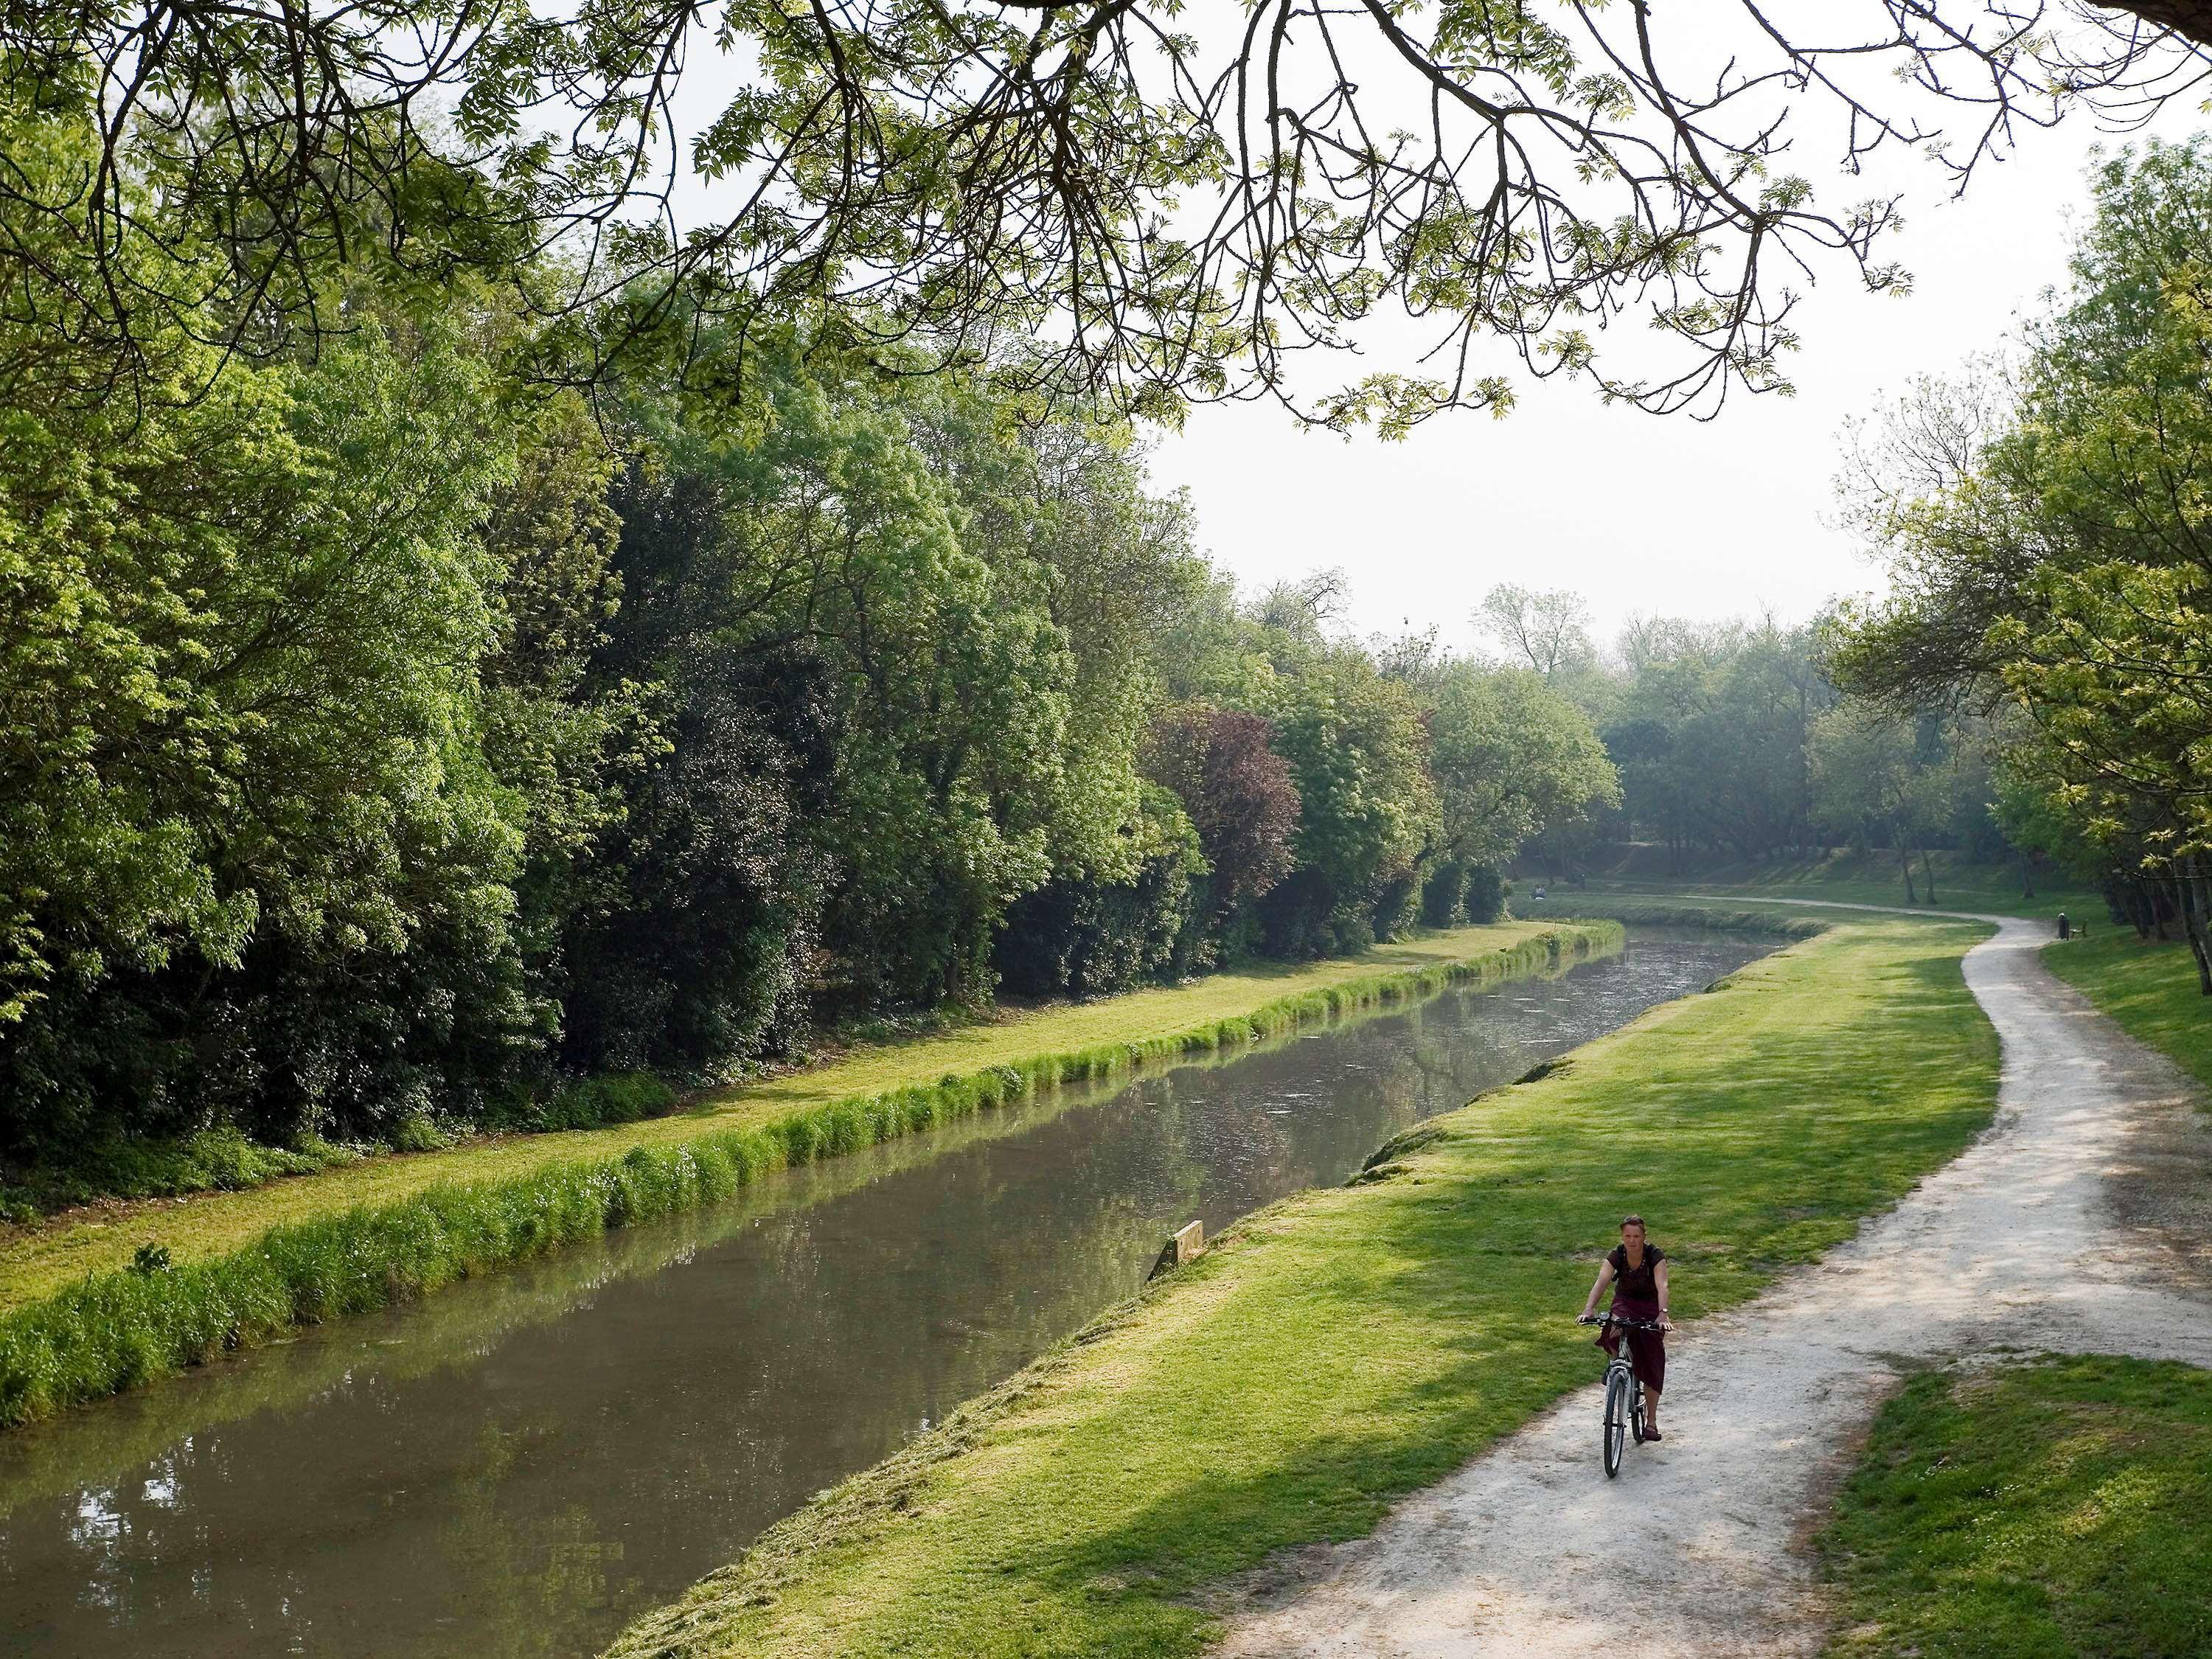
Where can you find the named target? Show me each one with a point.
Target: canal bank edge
(46, 1258)
(115, 1329)
(1344, 1347)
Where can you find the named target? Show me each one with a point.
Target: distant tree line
(1734, 744)
(387, 741)
(2034, 686)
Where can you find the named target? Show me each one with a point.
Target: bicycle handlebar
(1621, 1320)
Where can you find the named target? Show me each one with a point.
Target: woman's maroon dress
(1636, 1296)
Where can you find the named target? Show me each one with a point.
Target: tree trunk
(1904, 863)
(2192, 922)
(1928, 869)
(2199, 921)
(2027, 878)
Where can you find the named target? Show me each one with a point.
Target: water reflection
(517, 1467)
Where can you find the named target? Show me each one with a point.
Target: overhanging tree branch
(1084, 194)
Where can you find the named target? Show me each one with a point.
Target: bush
(152, 1167)
(1486, 888)
(1444, 895)
(1086, 938)
(1398, 906)
(591, 1102)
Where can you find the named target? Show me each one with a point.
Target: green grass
(1344, 1347)
(1689, 911)
(1844, 878)
(157, 1309)
(2149, 987)
(2044, 1510)
(223, 1160)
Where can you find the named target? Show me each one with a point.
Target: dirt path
(2070, 1224)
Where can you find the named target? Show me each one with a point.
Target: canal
(520, 1465)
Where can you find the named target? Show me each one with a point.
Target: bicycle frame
(1624, 1392)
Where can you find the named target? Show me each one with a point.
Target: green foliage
(2054, 563)
(1709, 729)
(238, 625)
(1084, 937)
(213, 1160)
(242, 749)
(1367, 809)
(385, 739)
(2046, 1507)
(1512, 758)
(1869, 768)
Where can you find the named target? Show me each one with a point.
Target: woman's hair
(1632, 1219)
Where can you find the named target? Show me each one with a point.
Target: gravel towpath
(2072, 1225)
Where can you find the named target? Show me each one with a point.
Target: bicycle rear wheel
(1616, 1420)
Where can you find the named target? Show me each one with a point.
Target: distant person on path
(1638, 1272)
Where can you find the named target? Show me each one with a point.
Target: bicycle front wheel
(1617, 1408)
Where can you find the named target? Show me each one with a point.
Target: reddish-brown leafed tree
(1237, 790)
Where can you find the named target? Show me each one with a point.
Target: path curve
(2068, 1225)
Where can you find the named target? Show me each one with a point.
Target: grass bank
(1344, 1347)
(2149, 988)
(1691, 911)
(1845, 878)
(2046, 1509)
(108, 1307)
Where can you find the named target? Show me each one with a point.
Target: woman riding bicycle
(1637, 1272)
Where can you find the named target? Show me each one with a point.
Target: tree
(240, 775)
(1511, 758)
(1709, 729)
(1871, 770)
(1238, 791)
(2057, 564)
(1358, 753)
(1076, 194)
(1548, 631)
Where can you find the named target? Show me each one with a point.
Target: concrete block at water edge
(1188, 1244)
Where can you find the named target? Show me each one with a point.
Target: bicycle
(1624, 1391)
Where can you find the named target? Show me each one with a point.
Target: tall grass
(118, 1328)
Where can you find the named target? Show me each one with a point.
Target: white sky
(1637, 511)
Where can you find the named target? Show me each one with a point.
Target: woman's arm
(1659, 1277)
(1604, 1279)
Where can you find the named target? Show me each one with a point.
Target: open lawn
(2041, 1509)
(2149, 986)
(1845, 878)
(1344, 1347)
